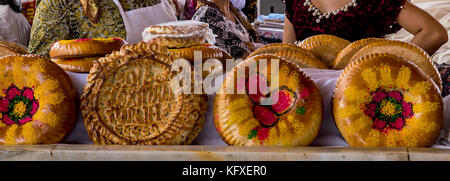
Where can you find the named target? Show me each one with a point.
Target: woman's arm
(289, 32)
(429, 34)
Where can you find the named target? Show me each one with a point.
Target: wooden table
(217, 153)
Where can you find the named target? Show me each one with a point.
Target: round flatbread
(89, 47)
(207, 52)
(345, 55)
(38, 103)
(80, 65)
(303, 58)
(382, 100)
(324, 47)
(248, 112)
(9, 48)
(129, 99)
(407, 51)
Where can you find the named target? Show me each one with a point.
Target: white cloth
(14, 27)
(328, 134)
(138, 19)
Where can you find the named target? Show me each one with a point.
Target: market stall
(205, 135)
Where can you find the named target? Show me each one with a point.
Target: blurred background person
(358, 19)
(76, 19)
(234, 33)
(14, 27)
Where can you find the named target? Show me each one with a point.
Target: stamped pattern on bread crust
(129, 100)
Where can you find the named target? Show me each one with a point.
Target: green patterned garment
(65, 19)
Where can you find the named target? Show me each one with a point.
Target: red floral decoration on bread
(269, 115)
(18, 106)
(388, 110)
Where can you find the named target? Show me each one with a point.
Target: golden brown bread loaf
(293, 53)
(344, 56)
(245, 120)
(9, 48)
(37, 103)
(79, 55)
(80, 65)
(407, 51)
(85, 47)
(324, 47)
(207, 52)
(129, 99)
(382, 100)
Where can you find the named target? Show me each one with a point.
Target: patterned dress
(230, 36)
(65, 19)
(369, 18)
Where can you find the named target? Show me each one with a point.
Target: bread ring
(382, 100)
(276, 47)
(301, 59)
(81, 65)
(407, 51)
(243, 119)
(38, 104)
(85, 47)
(293, 53)
(344, 56)
(324, 47)
(208, 52)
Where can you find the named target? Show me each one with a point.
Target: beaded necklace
(320, 15)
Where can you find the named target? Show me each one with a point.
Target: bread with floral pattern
(383, 100)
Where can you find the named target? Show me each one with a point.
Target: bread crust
(85, 47)
(324, 47)
(297, 125)
(51, 92)
(408, 51)
(367, 100)
(160, 116)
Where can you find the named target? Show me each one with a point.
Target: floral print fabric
(65, 19)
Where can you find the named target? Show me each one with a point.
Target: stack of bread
(184, 38)
(79, 55)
